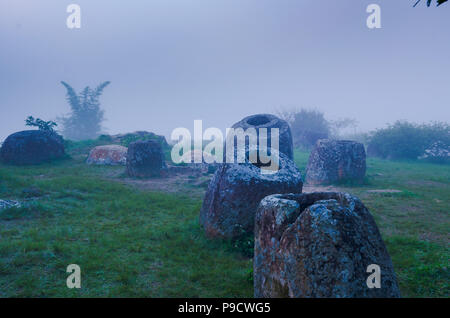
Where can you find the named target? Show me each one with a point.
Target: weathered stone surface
(336, 161)
(270, 121)
(7, 204)
(145, 159)
(235, 191)
(31, 147)
(111, 155)
(318, 245)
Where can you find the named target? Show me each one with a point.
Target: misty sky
(173, 61)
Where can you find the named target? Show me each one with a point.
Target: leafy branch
(439, 2)
(41, 124)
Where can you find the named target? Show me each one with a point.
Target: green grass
(127, 242)
(134, 243)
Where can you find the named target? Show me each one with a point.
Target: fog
(173, 61)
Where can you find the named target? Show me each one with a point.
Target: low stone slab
(109, 155)
(7, 204)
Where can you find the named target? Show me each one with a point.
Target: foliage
(337, 126)
(404, 140)
(439, 2)
(41, 124)
(83, 147)
(361, 137)
(129, 138)
(308, 126)
(86, 117)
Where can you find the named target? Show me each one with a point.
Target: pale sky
(173, 61)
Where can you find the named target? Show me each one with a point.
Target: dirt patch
(427, 183)
(435, 238)
(384, 191)
(308, 188)
(193, 186)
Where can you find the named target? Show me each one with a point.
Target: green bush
(404, 140)
(129, 138)
(438, 2)
(308, 126)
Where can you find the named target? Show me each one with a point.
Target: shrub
(438, 2)
(41, 124)
(129, 138)
(307, 127)
(404, 140)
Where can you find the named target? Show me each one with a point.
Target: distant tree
(307, 126)
(439, 2)
(86, 117)
(41, 124)
(337, 126)
(286, 114)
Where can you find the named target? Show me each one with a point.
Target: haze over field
(171, 62)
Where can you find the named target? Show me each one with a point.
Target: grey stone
(31, 147)
(318, 245)
(269, 121)
(334, 161)
(7, 204)
(145, 159)
(233, 195)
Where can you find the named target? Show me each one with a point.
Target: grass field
(135, 243)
